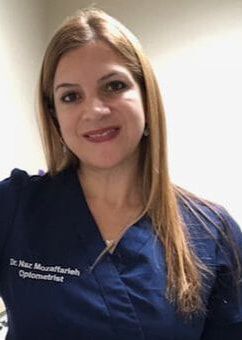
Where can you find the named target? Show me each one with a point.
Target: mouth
(102, 135)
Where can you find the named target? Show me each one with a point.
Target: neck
(117, 187)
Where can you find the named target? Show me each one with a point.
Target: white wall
(195, 47)
(22, 39)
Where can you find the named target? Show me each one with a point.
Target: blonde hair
(184, 270)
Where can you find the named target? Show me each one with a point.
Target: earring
(146, 131)
(64, 147)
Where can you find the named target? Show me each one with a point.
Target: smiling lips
(102, 135)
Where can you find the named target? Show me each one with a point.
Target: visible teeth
(105, 133)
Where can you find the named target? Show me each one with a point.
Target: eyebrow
(105, 77)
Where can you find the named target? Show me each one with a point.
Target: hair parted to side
(185, 271)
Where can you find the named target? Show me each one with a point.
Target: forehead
(95, 58)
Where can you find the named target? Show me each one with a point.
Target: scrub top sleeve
(224, 319)
(9, 195)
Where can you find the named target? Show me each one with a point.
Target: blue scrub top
(48, 244)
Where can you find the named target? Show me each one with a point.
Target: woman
(105, 246)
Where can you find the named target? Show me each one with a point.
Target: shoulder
(10, 186)
(20, 181)
(17, 178)
(10, 191)
(22, 193)
(217, 240)
(211, 227)
(23, 189)
(15, 183)
(197, 211)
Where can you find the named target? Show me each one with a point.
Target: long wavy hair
(185, 270)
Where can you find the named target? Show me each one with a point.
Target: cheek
(66, 126)
(139, 115)
(135, 127)
(134, 104)
(138, 109)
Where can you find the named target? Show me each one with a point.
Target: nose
(95, 109)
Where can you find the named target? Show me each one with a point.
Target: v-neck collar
(130, 243)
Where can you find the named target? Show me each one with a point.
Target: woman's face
(99, 107)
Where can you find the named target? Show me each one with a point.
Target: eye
(70, 97)
(115, 86)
